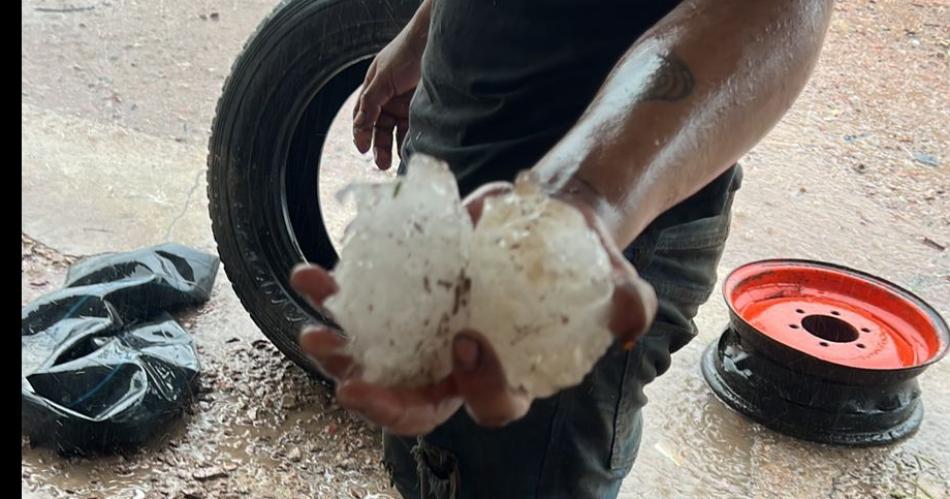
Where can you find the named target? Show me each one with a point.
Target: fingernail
(466, 353)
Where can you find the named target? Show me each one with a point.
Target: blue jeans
(581, 442)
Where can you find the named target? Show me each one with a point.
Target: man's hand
(383, 104)
(477, 380)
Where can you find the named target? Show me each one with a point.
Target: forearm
(417, 31)
(683, 104)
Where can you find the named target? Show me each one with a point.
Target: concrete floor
(117, 101)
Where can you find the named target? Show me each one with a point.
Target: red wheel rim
(836, 315)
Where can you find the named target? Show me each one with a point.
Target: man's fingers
(398, 108)
(378, 404)
(403, 411)
(634, 300)
(361, 137)
(375, 94)
(383, 141)
(482, 384)
(633, 310)
(326, 348)
(402, 128)
(313, 283)
(370, 75)
(362, 134)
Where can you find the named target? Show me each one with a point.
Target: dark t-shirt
(504, 80)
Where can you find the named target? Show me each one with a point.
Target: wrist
(416, 33)
(622, 224)
(577, 191)
(583, 195)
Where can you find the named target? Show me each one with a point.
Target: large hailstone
(532, 277)
(401, 275)
(541, 289)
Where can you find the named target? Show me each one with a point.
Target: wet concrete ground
(117, 102)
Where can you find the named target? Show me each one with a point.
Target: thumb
(482, 384)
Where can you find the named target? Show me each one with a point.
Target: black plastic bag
(95, 375)
(102, 392)
(170, 275)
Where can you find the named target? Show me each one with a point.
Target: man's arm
(688, 99)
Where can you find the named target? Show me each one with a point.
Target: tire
(272, 118)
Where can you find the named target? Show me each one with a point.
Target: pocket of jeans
(702, 233)
(626, 441)
(438, 471)
(650, 359)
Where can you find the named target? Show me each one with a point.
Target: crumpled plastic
(104, 367)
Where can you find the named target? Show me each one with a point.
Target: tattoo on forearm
(673, 80)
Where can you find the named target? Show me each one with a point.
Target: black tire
(283, 92)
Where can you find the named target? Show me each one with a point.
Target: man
(633, 111)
